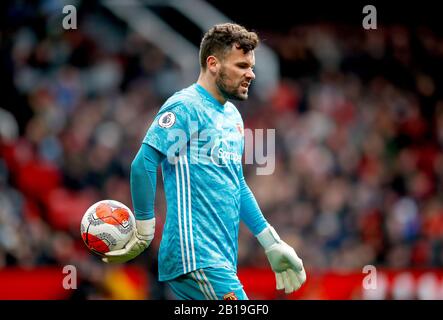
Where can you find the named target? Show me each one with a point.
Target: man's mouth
(245, 85)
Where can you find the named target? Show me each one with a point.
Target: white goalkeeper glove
(288, 267)
(141, 239)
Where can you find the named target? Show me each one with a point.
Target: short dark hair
(220, 39)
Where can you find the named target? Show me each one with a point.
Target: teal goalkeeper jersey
(203, 143)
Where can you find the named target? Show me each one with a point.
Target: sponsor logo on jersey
(221, 154)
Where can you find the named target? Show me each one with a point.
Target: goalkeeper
(197, 137)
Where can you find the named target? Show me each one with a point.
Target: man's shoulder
(183, 99)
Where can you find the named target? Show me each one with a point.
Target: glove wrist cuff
(268, 237)
(145, 227)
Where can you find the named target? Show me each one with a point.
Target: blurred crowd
(359, 129)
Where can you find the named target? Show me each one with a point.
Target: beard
(230, 91)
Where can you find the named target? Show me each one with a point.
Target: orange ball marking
(106, 214)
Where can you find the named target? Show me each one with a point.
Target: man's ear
(212, 64)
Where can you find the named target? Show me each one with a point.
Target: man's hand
(288, 267)
(141, 239)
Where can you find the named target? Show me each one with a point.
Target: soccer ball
(106, 226)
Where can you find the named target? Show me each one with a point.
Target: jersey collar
(209, 97)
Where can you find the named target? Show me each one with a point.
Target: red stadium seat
(38, 178)
(66, 208)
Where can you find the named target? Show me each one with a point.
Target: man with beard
(197, 137)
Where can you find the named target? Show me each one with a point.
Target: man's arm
(288, 267)
(250, 212)
(144, 181)
(143, 186)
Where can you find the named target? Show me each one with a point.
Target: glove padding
(141, 239)
(288, 267)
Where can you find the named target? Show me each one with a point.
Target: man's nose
(250, 75)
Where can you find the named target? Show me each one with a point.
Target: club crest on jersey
(166, 120)
(230, 296)
(240, 129)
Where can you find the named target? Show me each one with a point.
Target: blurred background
(359, 135)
